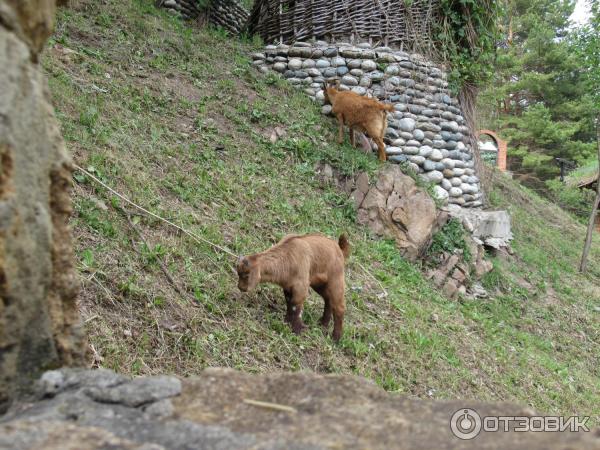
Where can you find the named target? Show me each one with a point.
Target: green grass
(582, 172)
(177, 120)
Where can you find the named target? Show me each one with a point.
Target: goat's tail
(387, 107)
(344, 246)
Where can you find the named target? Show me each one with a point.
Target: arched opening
(492, 148)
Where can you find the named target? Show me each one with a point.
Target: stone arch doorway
(500, 148)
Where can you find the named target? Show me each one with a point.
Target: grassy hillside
(175, 118)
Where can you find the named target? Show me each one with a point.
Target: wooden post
(590, 230)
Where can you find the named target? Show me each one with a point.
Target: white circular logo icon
(465, 423)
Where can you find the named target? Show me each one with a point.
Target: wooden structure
(589, 181)
(396, 23)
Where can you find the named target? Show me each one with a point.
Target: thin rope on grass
(183, 230)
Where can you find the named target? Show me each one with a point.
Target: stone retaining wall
(427, 131)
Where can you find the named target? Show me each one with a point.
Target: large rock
(395, 207)
(226, 409)
(491, 228)
(39, 321)
(30, 21)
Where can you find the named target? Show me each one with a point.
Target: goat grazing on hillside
(297, 263)
(364, 114)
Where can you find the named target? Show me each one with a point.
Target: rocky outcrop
(454, 274)
(226, 409)
(427, 130)
(395, 207)
(39, 321)
(491, 228)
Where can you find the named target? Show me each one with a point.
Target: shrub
(577, 201)
(450, 239)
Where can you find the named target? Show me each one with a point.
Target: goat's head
(330, 88)
(248, 273)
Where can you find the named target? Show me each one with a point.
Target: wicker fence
(402, 24)
(228, 14)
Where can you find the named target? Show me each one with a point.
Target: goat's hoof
(298, 328)
(336, 336)
(324, 323)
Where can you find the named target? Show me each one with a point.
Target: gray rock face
(440, 192)
(436, 155)
(397, 208)
(429, 165)
(216, 410)
(434, 176)
(39, 320)
(137, 414)
(137, 392)
(349, 80)
(295, 64)
(407, 125)
(455, 192)
(490, 227)
(418, 135)
(365, 81)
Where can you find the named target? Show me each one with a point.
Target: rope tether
(183, 230)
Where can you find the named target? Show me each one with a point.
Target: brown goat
(296, 263)
(361, 113)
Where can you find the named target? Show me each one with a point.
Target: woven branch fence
(228, 14)
(402, 24)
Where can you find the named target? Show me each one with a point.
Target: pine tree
(539, 99)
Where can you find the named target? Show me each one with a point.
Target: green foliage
(450, 238)
(540, 98)
(586, 42)
(203, 4)
(575, 200)
(467, 35)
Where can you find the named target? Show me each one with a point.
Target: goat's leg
(380, 148)
(340, 118)
(335, 291)
(322, 291)
(352, 137)
(298, 296)
(288, 302)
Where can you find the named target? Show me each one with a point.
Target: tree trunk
(592, 222)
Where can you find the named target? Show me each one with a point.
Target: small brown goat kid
(361, 113)
(297, 263)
